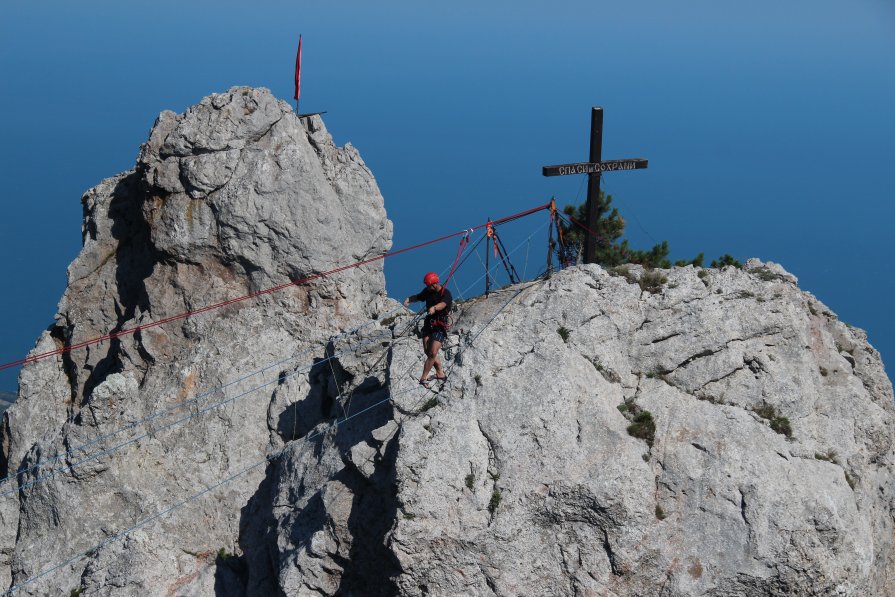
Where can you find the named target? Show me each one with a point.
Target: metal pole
(593, 183)
(562, 255)
(487, 254)
(505, 257)
(550, 244)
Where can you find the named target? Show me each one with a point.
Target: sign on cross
(594, 168)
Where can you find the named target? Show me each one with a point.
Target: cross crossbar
(595, 167)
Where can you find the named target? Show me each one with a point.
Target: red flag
(298, 70)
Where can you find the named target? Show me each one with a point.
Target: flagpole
(297, 74)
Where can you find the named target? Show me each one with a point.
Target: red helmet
(430, 278)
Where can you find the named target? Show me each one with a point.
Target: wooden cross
(594, 168)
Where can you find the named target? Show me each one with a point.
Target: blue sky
(768, 126)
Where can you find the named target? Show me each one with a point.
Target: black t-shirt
(433, 297)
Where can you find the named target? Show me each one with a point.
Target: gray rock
(718, 432)
(6, 399)
(234, 196)
(523, 476)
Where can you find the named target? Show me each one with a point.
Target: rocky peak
(612, 432)
(604, 431)
(236, 195)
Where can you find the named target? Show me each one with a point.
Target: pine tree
(725, 260)
(610, 226)
(609, 229)
(697, 261)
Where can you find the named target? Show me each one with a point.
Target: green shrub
(782, 426)
(470, 480)
(710, 398)
(494, 502)
(430, 404)
(652, 281)
(389, 320)
(563, 333)
(643, 427)
(765, 411)
(696, 261)
(625, 272)
(777, 422)
(703, 275)
(725, 260)
(766, 275)
(657, 373)
(660, 513)
(829, 456)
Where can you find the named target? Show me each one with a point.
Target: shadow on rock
(372, 567)
(322, 402)
(361, 474)
(230, 575)
(134, 263)
(257, 571)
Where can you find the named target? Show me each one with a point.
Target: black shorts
(435, 332)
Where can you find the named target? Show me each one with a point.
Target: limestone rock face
(234, 196)
(603, 432)
(769, 470)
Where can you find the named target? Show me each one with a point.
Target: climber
(438, 305)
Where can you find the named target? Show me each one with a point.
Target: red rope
(463, 242)
(152, 324)
(582, 226)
